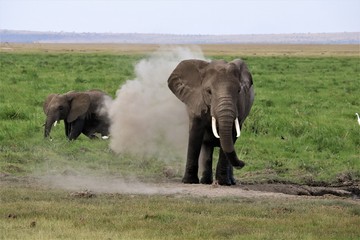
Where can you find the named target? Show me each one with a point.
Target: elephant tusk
(237, 127)
(358, 117)
(213, 126)
(55, 123)
(105, 137)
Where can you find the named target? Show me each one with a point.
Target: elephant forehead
(220, 67)
(223, 69)
(57, 101)
(223, 77)
(225, 83)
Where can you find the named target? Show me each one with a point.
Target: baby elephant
(82, 112)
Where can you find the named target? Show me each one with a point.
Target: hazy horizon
(70, 32)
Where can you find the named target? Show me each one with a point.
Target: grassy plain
(319, 50)
(28, 213)
(302, 129)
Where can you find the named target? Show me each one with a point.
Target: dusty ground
(85, 186)
(259, 190)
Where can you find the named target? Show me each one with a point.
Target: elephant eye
(239, 90)
(61, 108)
(208, 91)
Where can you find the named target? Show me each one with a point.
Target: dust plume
(103, 184)
(104, 108)
(147, 119)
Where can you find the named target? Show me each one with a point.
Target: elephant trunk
(50, 121)
(226, 134)
(227, 125)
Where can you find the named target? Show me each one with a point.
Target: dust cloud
(104, 108)
(147, 119)
(104, 184)
(147, 122)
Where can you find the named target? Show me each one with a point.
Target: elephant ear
(80, 103)
(47, 102)
(246, 97)
(245, 77)
(186, 83)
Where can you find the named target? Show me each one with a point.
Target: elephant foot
(207, 177)
(224, 181)
(92, 136)
(232, 181)
(190, 179)
(206, 180)
(231, 176)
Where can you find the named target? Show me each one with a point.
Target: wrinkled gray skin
(82, 112)
(213, 89)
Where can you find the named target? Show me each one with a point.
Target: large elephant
(82, 112)
(218, 96)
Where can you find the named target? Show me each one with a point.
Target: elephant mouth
(214, 127)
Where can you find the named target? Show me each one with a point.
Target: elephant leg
(231, 168)
(67, 128)
(196, 136)
(104, 129)
(76, 128)
(91, 126)
(231, 175)
(223, 170)
(89, 133)
(206, 158)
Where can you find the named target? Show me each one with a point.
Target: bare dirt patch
(85, 186)
(264, 190)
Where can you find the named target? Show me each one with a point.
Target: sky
(182, 16)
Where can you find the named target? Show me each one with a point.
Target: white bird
(358, 117)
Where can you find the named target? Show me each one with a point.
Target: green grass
(302, 127)
(58, 215)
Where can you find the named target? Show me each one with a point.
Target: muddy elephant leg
(223, 170)
(76, 128)
(196, 135)
(206, 158)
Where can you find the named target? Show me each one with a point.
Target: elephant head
(82, 112)
(217, 94)
(67, 107)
